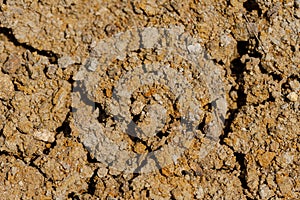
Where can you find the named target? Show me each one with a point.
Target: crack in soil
(238, 69)
(8, 32)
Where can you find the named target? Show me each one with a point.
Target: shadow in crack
(10, 36)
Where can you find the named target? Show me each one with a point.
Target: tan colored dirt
(50, 144)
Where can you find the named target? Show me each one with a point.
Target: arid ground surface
(53, 111)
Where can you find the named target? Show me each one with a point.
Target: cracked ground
(44, 44)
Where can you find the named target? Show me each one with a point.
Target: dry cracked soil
(96, 103)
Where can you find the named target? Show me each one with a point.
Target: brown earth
(45, 154)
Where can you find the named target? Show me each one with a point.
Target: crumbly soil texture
(94, 104)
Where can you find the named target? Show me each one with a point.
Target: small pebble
(91, 64)
(65, 61)
(292, 96)
(44, 135)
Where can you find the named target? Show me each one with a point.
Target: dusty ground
(46, 152)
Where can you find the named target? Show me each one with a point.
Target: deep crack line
(8, 32)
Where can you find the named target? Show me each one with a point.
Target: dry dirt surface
(149, 99)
